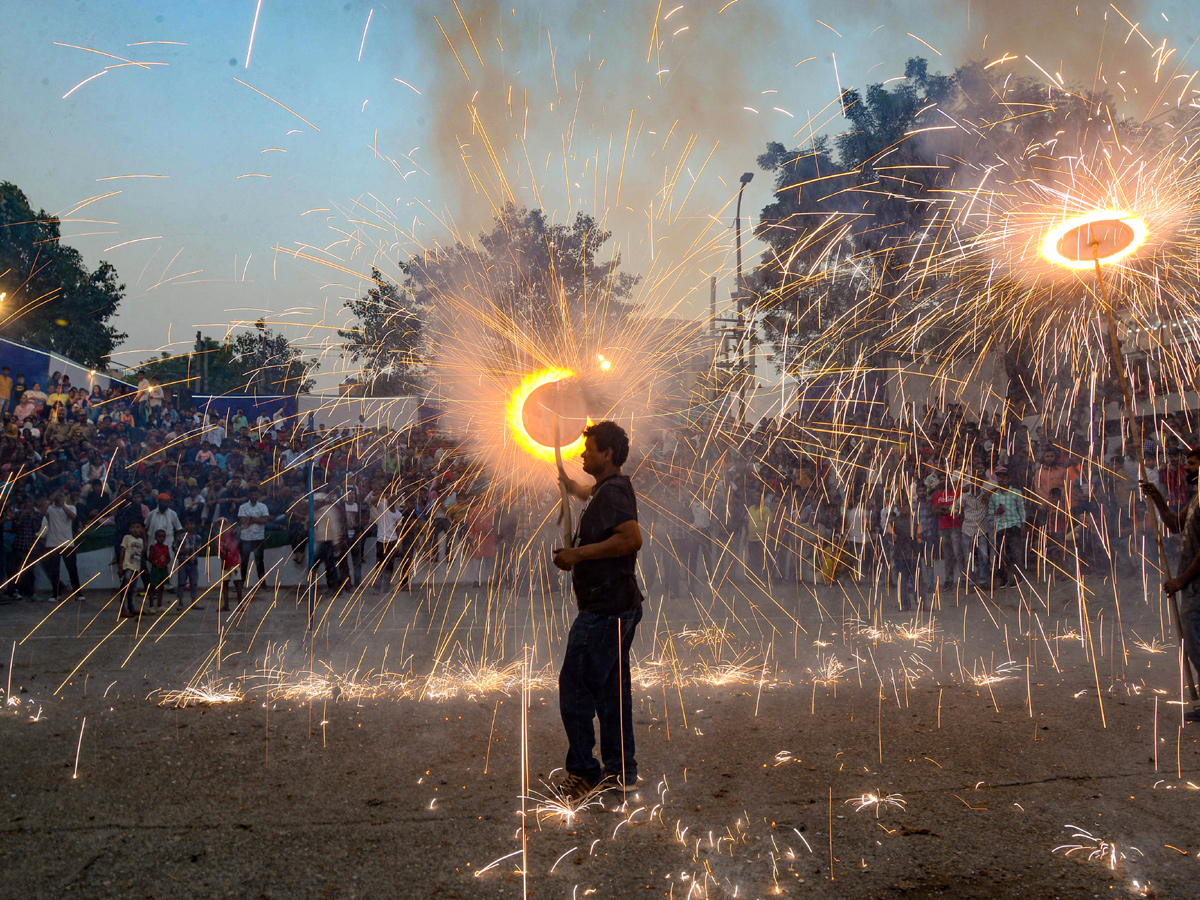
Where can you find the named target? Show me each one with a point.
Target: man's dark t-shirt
(606, 586)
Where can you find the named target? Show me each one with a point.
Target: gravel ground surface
(788, 752)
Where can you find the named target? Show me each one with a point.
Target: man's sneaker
(1193, 715)
(619, 784)
(575, 787)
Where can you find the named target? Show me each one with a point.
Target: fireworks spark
(878, 801)
(1096, 849)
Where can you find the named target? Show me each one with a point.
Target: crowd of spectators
(80, 474)
(934, 500)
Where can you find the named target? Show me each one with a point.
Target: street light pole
(740, 295)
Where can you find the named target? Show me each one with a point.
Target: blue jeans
(594, 683)
(977, 551)
(189, 576)
(925, 571)
(953, 561)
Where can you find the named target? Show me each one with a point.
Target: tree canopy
(386, 337)
(260, 361)
(523, 285)
(860, 224)
(53, 301)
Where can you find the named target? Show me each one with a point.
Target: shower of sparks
(878, 802)
(551, 805)
(1007, 671)
(210, 694)
(829, 671)
(1153, 645)
(1096, 849)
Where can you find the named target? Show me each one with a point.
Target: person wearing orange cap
(163, 518)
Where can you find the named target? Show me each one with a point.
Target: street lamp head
(747, 177)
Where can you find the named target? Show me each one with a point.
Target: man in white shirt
(253, 516)
(387, 539)
(164, 518)
(58, 526)
(154, 400)
(215, 434)
(142, 397)
(331, 545)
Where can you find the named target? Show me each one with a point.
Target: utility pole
(203, 363)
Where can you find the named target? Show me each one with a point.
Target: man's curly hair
(609, 436)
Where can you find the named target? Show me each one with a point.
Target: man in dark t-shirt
(1185, 522)
(594, 680)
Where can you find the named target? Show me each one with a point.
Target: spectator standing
(6, 389)
(253, 516)
(158, 560)
(330, 528)
(947, 504)
(19, 388)
(187, 564)
(903, 528)
(481, 538)
(129, 562)
(357, 521)
(387, 540)
(857, 530)
(27, 535)
(141, 398)
(231, 561)
(165, 518)
(758, 517)
(60, 537)
(975, 534)
(1007, 509)
(927, 531)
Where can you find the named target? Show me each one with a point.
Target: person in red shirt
(231, 562)
(1050, 476)
(946, 503)
(158, 555)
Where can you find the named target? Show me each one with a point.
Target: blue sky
(365, 169)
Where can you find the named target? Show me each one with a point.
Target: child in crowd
(158, 556)
(129, 562)
(231, 562)
(187, 563)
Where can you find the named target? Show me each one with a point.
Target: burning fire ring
(1116, 234)
(532, 425)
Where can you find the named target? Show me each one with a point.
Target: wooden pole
(564, 499)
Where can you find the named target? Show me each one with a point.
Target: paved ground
(791, 745)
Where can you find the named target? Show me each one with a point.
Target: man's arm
(626, 539)
(1169, 518)
(1184, 578)
(582, 491)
